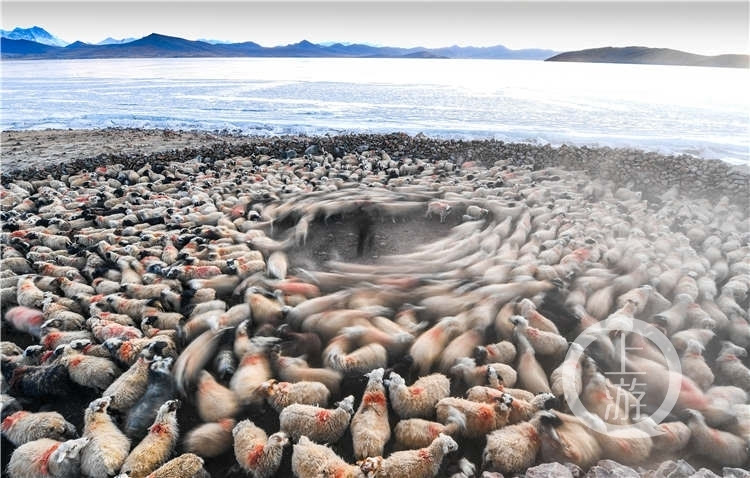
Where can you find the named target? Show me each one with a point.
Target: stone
(611, 469)
(549, 470)
(674, 469)
(735, 472)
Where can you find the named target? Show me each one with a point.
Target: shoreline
(35, 154)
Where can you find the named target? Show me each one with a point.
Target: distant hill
(652, 56)
(163, 46)
(114, 41)
(35, 34)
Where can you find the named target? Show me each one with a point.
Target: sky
(704, 27)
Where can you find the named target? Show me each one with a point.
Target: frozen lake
(701, 111)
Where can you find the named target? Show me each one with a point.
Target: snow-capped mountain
(36, 34)
(115, 41)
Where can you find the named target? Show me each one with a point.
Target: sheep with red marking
(370, 427)
(319, 424)
(419, 399)
(258, 454)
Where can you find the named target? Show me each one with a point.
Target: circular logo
(629, 378)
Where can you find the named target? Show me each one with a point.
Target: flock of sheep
(171, 284)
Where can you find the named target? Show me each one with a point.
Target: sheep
(186, 465)
(627, 445)
(210, 439)
(419, 399)
(310, 460)
(729, 366)
(38, 381)
(108, 447)
(512, 449)
(47, 458)
(694, 365)
(566, 439)
(254, 369)
(481, 418)
(461, 346)
(337, 356)
(531, 375)
(282, 394)
(129, 387)
(501, 352)
(295, 369)
(422, 463)
(213, 400)
(156, 448)
(23, 427)
(674, 437)
(25, 319)
(717, 445)
(544, 343)
(160, 388)
(427, 348)
(94, 372)
(414, 433)
(472, 375)
(318, 424)
(370, 428)
(258, 454)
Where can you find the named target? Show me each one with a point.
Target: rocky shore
(35, 154)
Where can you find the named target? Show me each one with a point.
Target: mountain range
(30, 46)
(652, 56)
(36, 43)
(35, 34)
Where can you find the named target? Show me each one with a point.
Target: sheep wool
(419, 399)
(246, 382)
(258, 454)
(310, 460)
(414, 433)
(422, 463)
(370, 428)
(210, 439)
(214, 400)
(108, 447)
(514, 448)
(157, 446)
(318, 424)
(186, 465)
(282, 394)
(130, 386)
(481, 418)
(22, 427)
(46, 458)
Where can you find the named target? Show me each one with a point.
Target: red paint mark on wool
(424, 454)
(75, 361)
(254, 455)
(251, 360)
(434, 430)
(374, 397)
(45, 356)
(50, 339)
(125, 350)
(323, 416)
(159, 429)
(486, 413)
(12, 419)
(44, 459)
(416, 391)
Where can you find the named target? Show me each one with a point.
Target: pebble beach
(362, 252)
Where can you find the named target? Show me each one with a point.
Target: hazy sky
(707, 27)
